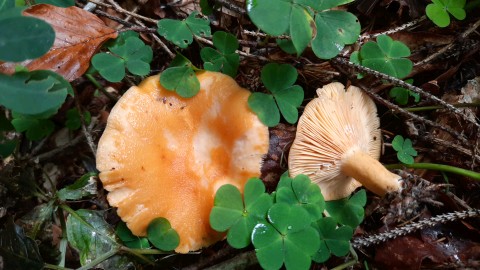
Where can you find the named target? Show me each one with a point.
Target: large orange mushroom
(162, 155)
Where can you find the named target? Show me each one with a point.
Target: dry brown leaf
(79, 34)
(407, 252)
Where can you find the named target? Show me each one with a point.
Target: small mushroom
(162, 155)
(338, 144)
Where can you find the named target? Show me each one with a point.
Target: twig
(157, 39)
(113, 18)
(242, 261)
(209, 42)
(262, 35)
(129, 17)
(449, 46)
(447, 144)
(409, 228)
(229, 5)
(86, 132)
(136, 28)
(59, 149)
(403, 84)
(118, 8)
(100, 87)
(397, 109)
(394, 30)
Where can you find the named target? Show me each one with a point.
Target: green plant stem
(430, 108)
(63, 241)
(55, 267)
(345, 265)
(99, 259)
(73, 213)
(141, 252)
(437, 167)
(100, 87)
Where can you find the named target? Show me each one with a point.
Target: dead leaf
(274, 163)
(407, 252)
(79, 34)
(415, 8)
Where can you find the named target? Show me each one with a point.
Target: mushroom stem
(371, 173)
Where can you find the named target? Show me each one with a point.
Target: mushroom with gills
(338, 144)
(162, 155)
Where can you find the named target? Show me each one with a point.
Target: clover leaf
(401, 94)
(84, 186)
(348, 211)
(438, 11)
(130, 240)
(24, 37)
(181, 33)
(129, 52)
(287, 239)
(301, 28)
(304, 19)
(74, 121)
(286, 97)
(271, 16)
(180, 77)
(386, 56)
(302, 192)
(162, 235)
(35, 128)
(239, 216)
(335, 28)
(404, 148)
(334, 240)
(39, 91)
(224, 58)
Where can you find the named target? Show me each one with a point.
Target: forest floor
(445, 65)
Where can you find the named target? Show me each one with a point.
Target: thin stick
(397, 109)
(59, 149)
(403, 84)
(86, 132)
(409, 228)
(447, 144)
(209, 42)
(229, 5)
(118, 8)
(113, 18)
(396, 29)
(157, 39)
(449, 46)
(262, 35)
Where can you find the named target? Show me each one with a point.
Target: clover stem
(429, 108)
(345, 265)
(437, 167)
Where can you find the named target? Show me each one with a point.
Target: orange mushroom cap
(338, 144)
(162, 155)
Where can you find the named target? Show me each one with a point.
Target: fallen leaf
(79, 34)
(414, 7)
(407, 252)
(274, 163)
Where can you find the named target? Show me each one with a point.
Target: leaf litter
(452, 245)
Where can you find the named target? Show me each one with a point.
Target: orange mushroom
(162, 155)
(338, 144)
